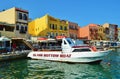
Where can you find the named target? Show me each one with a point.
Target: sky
(82, 12)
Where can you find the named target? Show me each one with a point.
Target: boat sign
(53, 55)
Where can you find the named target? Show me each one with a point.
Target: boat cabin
(65, 45)
(68, 45)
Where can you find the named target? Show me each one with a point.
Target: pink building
(89, 32)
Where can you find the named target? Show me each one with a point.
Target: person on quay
(14, 47)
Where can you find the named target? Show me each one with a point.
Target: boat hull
(76, 57)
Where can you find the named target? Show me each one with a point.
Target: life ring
(94, 48)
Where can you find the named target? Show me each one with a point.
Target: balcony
(22, 31)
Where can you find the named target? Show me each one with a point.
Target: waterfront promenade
(14, 48)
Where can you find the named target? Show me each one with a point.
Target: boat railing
(53, 48)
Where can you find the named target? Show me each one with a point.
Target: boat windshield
(70, 41)
(81, 50)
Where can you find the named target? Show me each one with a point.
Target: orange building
(73, 30)
(89, 32)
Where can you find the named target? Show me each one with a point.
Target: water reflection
(114, 66)
(56, 70)
(13, 69)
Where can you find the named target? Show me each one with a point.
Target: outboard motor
(67, 44)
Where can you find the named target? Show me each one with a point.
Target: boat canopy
(4, 39)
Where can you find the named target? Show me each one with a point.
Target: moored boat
(71, 53)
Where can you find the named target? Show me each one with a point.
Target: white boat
(71, 53)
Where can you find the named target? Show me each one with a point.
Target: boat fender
(94, 48)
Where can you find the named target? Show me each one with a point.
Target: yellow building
(48, 26)
(101, 33)
(17, 17)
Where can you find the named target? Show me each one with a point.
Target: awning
(4, 39)
(60, 37)
(51, 40)
(41, 39)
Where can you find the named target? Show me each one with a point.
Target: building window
(1, 27)
(51, 35)
(22, 30)
(48, 34)
(61, 28)
(76, 28)
(20, 15)
(17, 27)
(56, 26)
(71, 27)
(53, 26)
(63, 34)
(56, 34)
(25, 17)
(25, 28)
(65, 28)
(50, 26)
(60, 34)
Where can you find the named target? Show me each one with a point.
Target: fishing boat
(71, 53)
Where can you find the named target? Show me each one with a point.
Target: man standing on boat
(13, 47)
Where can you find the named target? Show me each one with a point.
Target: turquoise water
(109, 68)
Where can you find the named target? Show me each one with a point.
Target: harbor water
(109, 68)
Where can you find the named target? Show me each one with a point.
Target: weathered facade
(17, 20)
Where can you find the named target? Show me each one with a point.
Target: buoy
(108, 63)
